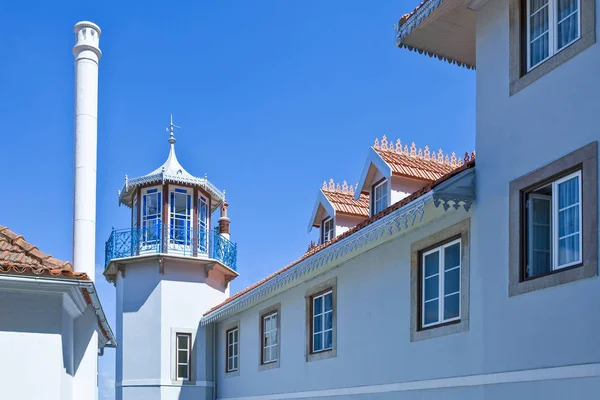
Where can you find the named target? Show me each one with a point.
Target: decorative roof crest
(333, 187)
(422, 154)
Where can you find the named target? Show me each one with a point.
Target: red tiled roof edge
(426, 189)
(27, 270)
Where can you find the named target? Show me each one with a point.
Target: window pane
(318, 306)
(274, 354)
(235, 349)
(452, 281)
(235, 335)
(328, 302)
(329, 320)
(568, 193)
(452, 256)
(318, 342)
(432, 264)
(568, 250)
(451, 306)
(431, 313)
(317, 324)
(328, 339)
(568, 221)
(568, 30)
(274, 336)
(266, 355)
(229, 364)
(183, 356)
(540, 233)
(182, 341)
(180, 203)
(235, 362)
(182, 371)
(432, 287)
(539, 49)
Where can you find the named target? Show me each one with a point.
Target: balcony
(140, 241)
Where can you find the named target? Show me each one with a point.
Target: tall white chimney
(87, 54)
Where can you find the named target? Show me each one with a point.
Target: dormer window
(379, 196)
(327, 230)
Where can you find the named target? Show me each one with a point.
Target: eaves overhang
(444, 29)
(322, 201)
(77, 295)
(458, 191)
(126, 193)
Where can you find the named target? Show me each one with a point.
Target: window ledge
(440, 330)
(322, 355)
(587, 270)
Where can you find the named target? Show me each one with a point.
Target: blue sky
(274, 96)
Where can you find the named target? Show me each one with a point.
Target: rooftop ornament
(422, 154)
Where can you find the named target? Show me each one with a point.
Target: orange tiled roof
(17, 256)
(342, 199)
(406, 17)
(416, 163)
(469, 163)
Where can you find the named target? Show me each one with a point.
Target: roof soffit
(444, 29)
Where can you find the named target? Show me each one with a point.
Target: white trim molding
(162, 382)
(498, 378)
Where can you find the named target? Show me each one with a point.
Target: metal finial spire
(171, 130)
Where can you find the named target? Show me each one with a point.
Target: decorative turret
(171, 214)
(173, 264)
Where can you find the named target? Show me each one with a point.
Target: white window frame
(233, 349)
(272, 334)
(552, 31)
(188, 361)
(441, 295)
(203, 226)
(554, 221)
(322, 316)
(181, 244)
(148, 242)
(327, 233)
(384, 195)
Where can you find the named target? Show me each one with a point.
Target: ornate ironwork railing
(183, 241)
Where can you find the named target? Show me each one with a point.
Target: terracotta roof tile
(469, 163)
(416, 163)
(406, 17)
(342, 199)
(17, 256)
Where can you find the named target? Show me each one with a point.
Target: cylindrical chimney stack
(87, 54)
(224, 221)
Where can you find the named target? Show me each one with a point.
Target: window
(180, 217)
(440, 285)
(322, 322)
(553, 224)
(183, 355)
(552, 25)
(321, 335)
(151, 218)
(135, 213)
(327, 230)
(380, 197)
(232, 349)
(545, 34)
(553, 228)
(269, 338)
(203, 224)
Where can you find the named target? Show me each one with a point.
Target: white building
(459, 282)
(52, 325)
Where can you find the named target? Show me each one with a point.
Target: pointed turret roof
(173, 172)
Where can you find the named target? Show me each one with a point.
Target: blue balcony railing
(183, 241)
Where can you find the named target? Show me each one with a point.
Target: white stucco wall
(402, 187)
(151, 308)
(344, 222)
(373, 337)
(37, 356)
(515, 135)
